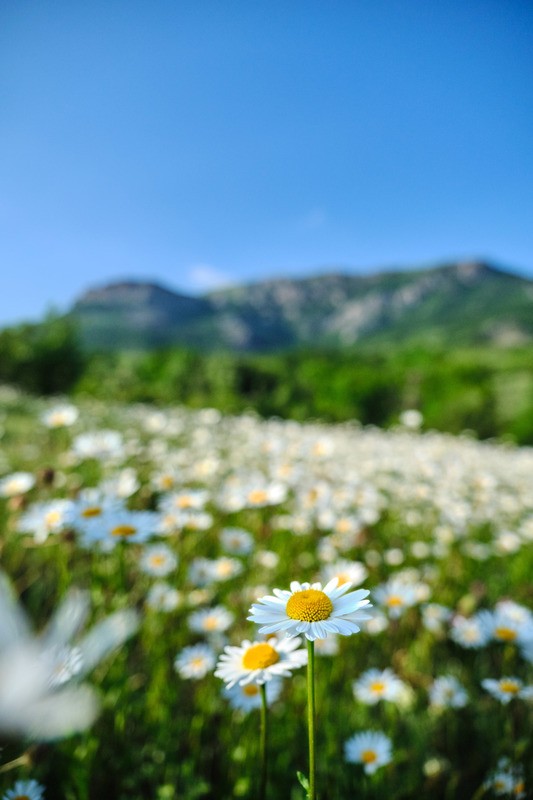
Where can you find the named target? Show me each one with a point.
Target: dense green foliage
(487, 389)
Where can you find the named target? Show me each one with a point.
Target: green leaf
(303, 782)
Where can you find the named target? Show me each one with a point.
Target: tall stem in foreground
(263, 743)
(311, 716)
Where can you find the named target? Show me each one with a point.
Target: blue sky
(214, 141)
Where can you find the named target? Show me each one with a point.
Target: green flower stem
(311, 716)
(263, 743)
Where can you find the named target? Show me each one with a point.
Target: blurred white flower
(38, 696)
(60, 416)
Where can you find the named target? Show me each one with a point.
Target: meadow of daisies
(167, 574)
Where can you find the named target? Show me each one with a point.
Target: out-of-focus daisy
(312, 610)
(507, 780)
(411, 418)
(165, 481)
(327, 647)
(267, 559)
(163, 597)
(507, 688)
(195, 661)
(91, 504)
(470, 632)
(42, 519)
(224, 568)
(246, 698)
(211, 620)
(259, 662)
(103, 445)
(375, 685)
(16, 484)
(447, 692)
(60, 416)
(185, 500)
(435, 616)
(377, 623)
(158, 560)
(510, 623)
(236, 541)
(120, 525)
(38, 697)
(395, 597)
(201, 571)
(25, 790)
(121, 485)
(345, 571)
(371, 749)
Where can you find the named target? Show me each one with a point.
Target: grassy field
(438, 528)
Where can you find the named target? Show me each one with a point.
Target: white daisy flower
(17, 483)
(40, 694)
(395, 596)
(447, 692)
(25, 790)
(195, 662)
(312, 610)
(375, 685)
(259, 662)
(246, 698)
(372, 749)
(60, 416)
(163, 597)
(158, 560)
(505, 689)
(470, 632)
(210, 620)
(236, 541)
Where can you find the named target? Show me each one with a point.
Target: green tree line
(487, 390)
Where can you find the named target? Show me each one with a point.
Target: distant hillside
(463, 303)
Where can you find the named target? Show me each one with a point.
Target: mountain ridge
(465, 301)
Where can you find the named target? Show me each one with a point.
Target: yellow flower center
(21, 797)
(309, 605)
(197, 662)
(343, 525)
(258, 496)
(251, 690)
(91, 511)
(52, 518)
(210, 623)
(378, 687)
(505, 634)
(368, 756)
(342, 577)
(394, 601)
(123, 530)
(509, 686)
(157, 561)
(259, 656)
(167, 481)
(185, 501)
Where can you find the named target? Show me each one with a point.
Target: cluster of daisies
(198, 500)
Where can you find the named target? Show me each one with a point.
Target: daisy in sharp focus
(372, 749)
(311, 610)
(259, 662)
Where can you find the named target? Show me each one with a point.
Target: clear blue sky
(201, 142)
